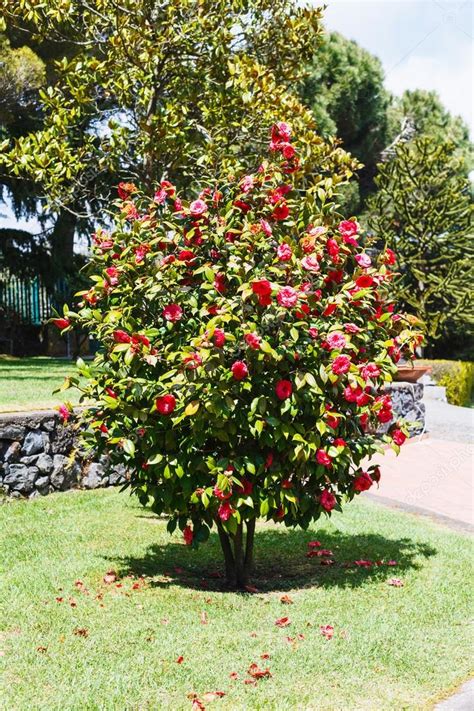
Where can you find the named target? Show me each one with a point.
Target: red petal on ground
(234, 675)
(396, 582)
(327, 631)
(314, 544)
(179, 660)
(203, 618)
(256, 673)
(265, 656)
(81, 632)
(283, 622)
(286, 600)
(212, 695)
(41, 649)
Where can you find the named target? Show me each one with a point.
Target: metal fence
(28, 299)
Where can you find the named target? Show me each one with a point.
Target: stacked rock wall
(39, 454)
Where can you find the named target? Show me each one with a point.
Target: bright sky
(423, 44)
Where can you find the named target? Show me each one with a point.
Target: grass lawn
(27, 383)
(71, 641)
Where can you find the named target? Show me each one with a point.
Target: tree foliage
(423, 210)
(246, 337)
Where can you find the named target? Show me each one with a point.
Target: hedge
(456, 376)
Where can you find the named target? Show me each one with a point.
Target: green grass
(392, 647)
(28, 383)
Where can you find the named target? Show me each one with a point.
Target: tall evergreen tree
(423, 211)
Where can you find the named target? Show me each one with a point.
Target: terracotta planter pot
(411, 373)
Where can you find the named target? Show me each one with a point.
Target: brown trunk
(238, 556)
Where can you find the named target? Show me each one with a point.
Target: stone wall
(40, 455)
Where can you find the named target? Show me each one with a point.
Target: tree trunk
(62, 245)
(238, 556)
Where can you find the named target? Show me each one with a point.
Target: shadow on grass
(281, 562)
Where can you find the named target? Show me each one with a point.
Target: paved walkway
(463, 700)
(434, 475)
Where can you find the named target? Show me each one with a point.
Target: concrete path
(433, 475)
(463, 700)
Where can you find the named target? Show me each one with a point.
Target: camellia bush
(246, 336)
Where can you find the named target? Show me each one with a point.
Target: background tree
(422, 209)
(345, 91)
(153, 88)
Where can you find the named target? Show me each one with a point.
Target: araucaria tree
(423, 210)
(246, 336)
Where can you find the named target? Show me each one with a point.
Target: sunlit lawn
(28, 383)
(116, 646)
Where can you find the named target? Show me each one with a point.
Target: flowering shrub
(246, 336)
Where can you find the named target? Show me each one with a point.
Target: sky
(423, 44)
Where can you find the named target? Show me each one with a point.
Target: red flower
(398, 437)
(364, 281)
(253, 340)
(283, 389)
(362, 482)
(348, 228)
(111, 393)
(339, 442)
(112, 273)
(225, 511)
(284, 252)
(330, 309)
(188, 536)
(327, 500)
(173, 312)
(269, 460)
(61, 322)
(341, 364)
(370, 371)
(265, 300)
(287, 150)
(245, 488)
(351, 328)
(185, 255)
(313, 332)
(389, 256)
(286, 484)
(322, 457)
(221, 495)
(192, 361)
(219, 283)
(218, 337)
(198, 208)
(125, 189)
(239, 370)
(165, 404)
(281, 212)
(281, 131)
(121, 337)
(262, 287)
(287, 296)
(333, 249)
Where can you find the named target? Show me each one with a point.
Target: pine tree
(422, 210)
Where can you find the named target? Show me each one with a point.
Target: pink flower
(198, 208)
(221, 495)
(160, 196)
(239, 370)
(287, 296)
(310, 263)
(363, 260)
(313, 332)
(327, 500)
(173, 312)
(65, 412)
(362, 482)
(284, 252)
(188, 535)
(370, 371)
(253, 340)
(246, 183)
(336, 340)
(266, 228)
(332, 248)
(351, 328)
(281, 131)
(165, 404)
(327, 631)
(398, 437)
(283, 389)
(341, 364)
(348, 229)
(323, 458)
(192, 361)
(225, 511)
(219, 337)
(112, 273)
